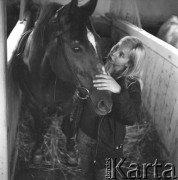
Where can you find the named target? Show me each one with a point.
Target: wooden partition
(160, 92)
(13, 94)
(3, 100)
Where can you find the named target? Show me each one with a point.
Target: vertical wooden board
(146, 63)
(115, 7)
(159, 61)
(172, 135)
(148, 77)
(165, 97)
(161, 94)
(14, 103)
(173, 158)
(151, 79)
(170, 104)
(144, 72)
(3, 88)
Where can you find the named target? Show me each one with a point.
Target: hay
(54, 153)
(142, 143)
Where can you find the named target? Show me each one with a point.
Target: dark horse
(59, 56)
(168, 32)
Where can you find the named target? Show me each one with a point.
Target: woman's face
(119, 60)
(120, 57)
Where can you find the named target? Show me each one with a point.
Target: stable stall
(3, 93)
(160, 70)
(160, 76)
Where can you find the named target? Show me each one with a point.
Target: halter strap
(22, 42)
(78, 83)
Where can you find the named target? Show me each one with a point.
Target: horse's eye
(76, 49)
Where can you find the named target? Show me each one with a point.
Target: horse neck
(42, 81)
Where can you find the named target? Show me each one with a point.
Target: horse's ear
(89, 7)
(73, 6)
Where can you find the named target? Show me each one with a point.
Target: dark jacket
(112, 130)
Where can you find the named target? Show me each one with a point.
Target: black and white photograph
(89, 89)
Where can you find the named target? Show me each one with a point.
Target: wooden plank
(14, 38)
(160, 101)
(3, 102)
(150, 58)
(170, 101)
(13, 105)
(160, 47)
(146, 63)
(13, 97)
(171, 134)
(155, 83)
(24, 6)
(126, 10)
(160, 93)
(174, 150)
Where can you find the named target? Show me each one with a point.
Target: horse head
(76, 53)
(168, 32)
(64, 39)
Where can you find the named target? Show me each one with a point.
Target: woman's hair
(136, 56)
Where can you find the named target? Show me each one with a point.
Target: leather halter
(81, 92)
(22, 42)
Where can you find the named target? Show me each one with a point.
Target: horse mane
(15, 65)
(46, 13)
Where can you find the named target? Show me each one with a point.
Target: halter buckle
(82, 93)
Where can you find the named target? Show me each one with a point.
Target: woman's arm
(126, 104)
(126, 100)
(106, 82)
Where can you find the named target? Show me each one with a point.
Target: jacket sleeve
(126, 105)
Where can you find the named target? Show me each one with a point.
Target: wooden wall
(3, 94)
(160, 92)
(13, 97)
(151, 12)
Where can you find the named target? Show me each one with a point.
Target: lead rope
(54, 97)
(76, 113)
(74, 121)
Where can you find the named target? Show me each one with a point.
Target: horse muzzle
(102, 106)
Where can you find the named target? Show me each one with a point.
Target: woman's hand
(106, 82)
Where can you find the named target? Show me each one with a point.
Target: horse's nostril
(102, 106)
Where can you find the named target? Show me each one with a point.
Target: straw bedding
(54, 154)
(142, 145)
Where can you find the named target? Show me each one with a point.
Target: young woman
(123, 80)
(102, 137)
